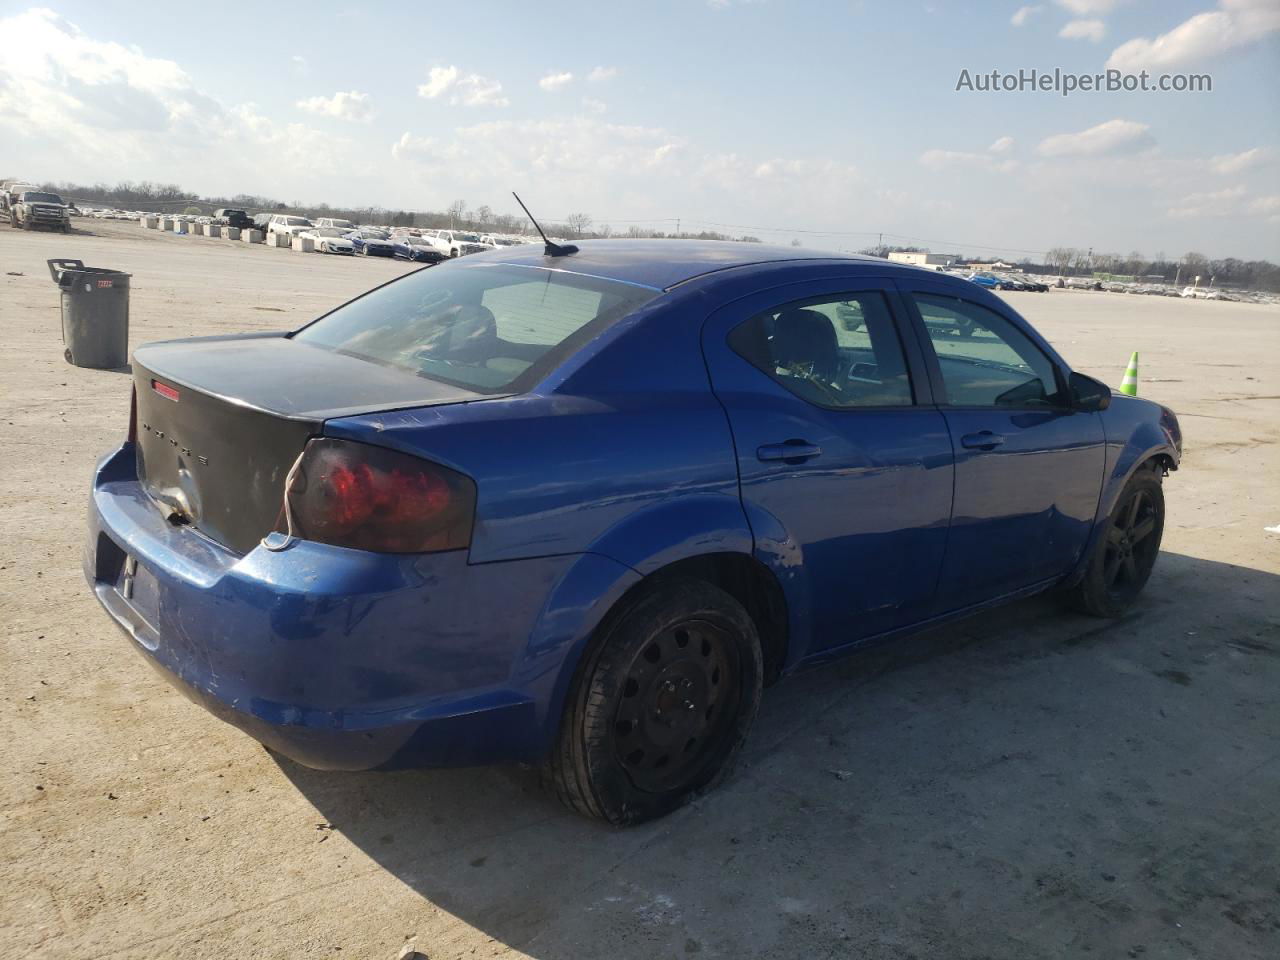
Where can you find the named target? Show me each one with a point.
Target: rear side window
(492, 329)
(840, 352)
(985, 360)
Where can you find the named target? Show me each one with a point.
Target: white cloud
(470, 90)
(1228, 163)
(299, 64)
(555, 81)
(594, 105)
(1237, 24)
(1084, 8)
(600, 74)
(1093, 30)
(345, 105)
(439, 80)
(1213, 203)
(1113, 137)
(1023, 14)
(65, 96)
(995, 158)
(1268, 206)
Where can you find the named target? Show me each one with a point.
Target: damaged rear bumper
(340, 659)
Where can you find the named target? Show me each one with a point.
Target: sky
(826, 122)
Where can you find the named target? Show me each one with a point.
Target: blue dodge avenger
(576, 507)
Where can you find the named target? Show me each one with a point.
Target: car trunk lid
(221, 420)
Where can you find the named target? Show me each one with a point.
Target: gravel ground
(1025, 784)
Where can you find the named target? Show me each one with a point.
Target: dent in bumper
(339, 659)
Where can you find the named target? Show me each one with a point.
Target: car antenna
(552, 249)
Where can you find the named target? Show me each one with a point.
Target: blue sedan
(407, 247)
(576, 508)
(372, 243)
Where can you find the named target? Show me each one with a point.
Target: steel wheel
(677, 705)
(663, 701)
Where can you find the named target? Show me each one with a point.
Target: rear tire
(1126, 551)
(660, 706)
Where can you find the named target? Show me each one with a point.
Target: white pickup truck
(456, 243)
(290, 226)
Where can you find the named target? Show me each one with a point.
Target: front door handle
(792, 451)
(982, 440)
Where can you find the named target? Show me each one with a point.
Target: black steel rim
(677, 706)
(1131, 544)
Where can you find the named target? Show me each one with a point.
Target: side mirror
(1088, 395)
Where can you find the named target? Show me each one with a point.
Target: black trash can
(95, 314)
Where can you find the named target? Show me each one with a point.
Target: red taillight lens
(133, 415)
(369, 498)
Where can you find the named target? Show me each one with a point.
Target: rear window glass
(491, 329)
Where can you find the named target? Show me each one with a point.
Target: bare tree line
(145, 195)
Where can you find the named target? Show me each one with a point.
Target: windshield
(343, 223)
(491, 329)
(330, 232)
(466, 237)
(297, 222)
(41, 198)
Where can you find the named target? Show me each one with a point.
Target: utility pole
(677, 226)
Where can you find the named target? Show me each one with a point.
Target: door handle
(792, 451)
(982, 440)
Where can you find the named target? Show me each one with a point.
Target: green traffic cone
(1129, 385)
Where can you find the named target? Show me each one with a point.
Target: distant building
(921, 259)
(988, 267)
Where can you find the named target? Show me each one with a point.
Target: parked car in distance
(233, 217)
(372, 243)
(456, 243)
(330, 240)
(576, 510)
(289, 225)
(421, 249)
(344, 225)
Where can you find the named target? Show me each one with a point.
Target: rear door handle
(792, 451)
(982, 440)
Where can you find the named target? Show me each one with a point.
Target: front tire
(1126, 552)
(661, 705)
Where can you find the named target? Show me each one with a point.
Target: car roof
(661, 264)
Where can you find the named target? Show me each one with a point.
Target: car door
(1028, 467)
(845, 466)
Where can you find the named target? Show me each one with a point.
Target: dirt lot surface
(1026, 784)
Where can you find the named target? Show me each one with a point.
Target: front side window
(838, 352)
(985, 360)
(490, 329)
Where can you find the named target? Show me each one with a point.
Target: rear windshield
(491, 329)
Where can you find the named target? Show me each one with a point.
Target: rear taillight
(133, 415)
(369, 498)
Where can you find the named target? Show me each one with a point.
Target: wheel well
(749, 582)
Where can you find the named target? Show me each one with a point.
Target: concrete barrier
(231, 233)
(212, 230)
(150, 223)
(304, 245)
(180, 226)
(251, 236)
(166, 224)
(278, 240)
